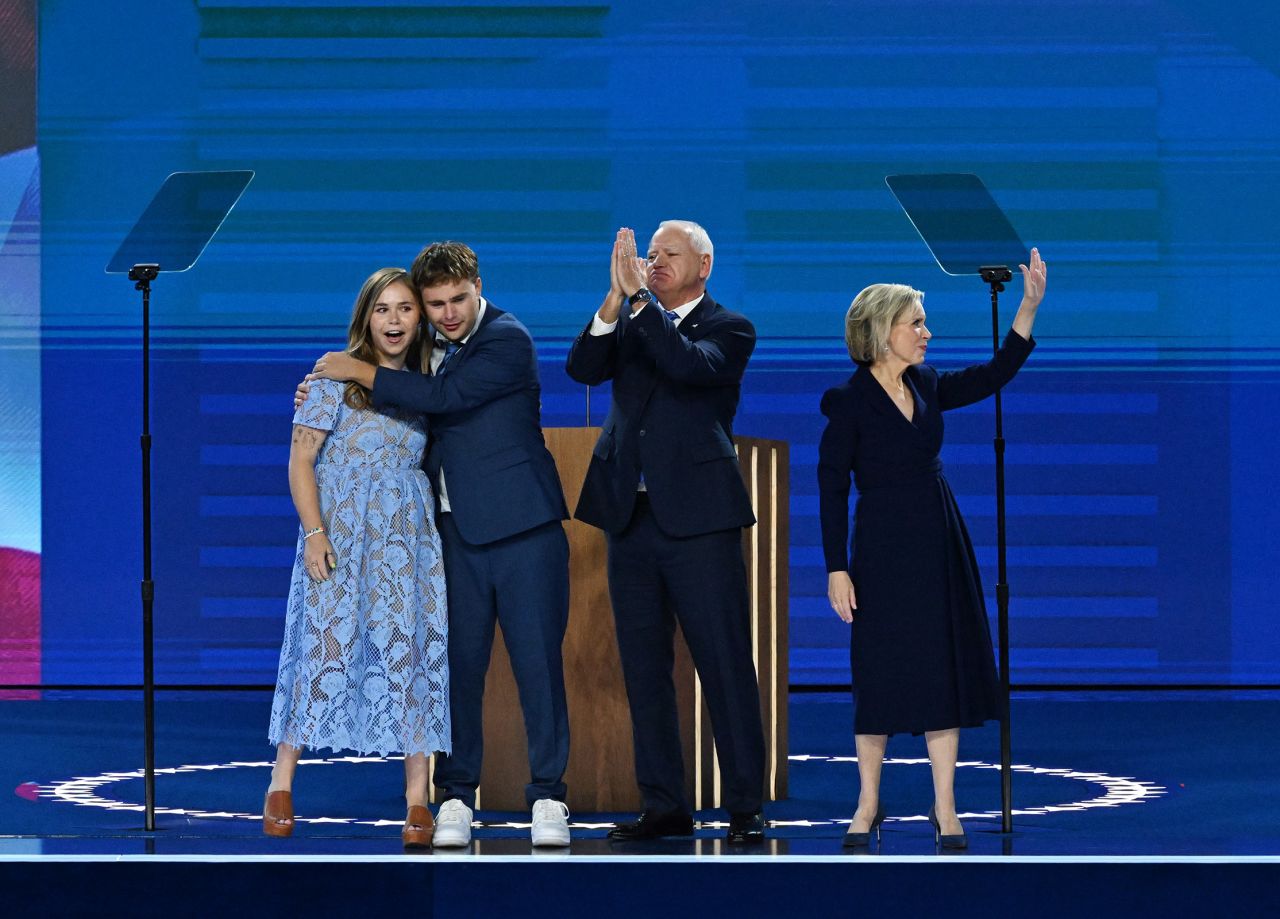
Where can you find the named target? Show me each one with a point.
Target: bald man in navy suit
(665, 486)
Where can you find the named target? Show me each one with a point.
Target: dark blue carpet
(1116, 774)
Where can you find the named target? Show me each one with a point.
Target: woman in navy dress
(920, 646)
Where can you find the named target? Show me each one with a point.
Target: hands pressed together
(628, 272)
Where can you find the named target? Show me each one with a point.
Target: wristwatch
(643, 295)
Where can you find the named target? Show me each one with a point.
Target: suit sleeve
(718, 359)
(835, 463)
(498, 365)
(592, 358)
(958, 388)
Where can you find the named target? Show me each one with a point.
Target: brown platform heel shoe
(418, 828)
(277, 813)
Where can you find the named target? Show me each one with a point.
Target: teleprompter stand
(169, 237)
(968, 234)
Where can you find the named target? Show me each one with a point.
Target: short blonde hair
(872, 314)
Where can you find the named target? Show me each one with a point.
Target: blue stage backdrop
(1137, 142)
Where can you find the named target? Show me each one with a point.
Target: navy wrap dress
(920, 646)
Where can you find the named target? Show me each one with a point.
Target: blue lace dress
(364, 663)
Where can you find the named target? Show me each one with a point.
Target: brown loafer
(418, 828)
(277, 813)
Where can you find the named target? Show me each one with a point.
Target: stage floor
(1160, 776)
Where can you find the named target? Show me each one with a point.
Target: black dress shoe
(654, 825)
(946, 840)
(746, 829)
(854, 840)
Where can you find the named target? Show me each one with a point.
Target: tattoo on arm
(306, 444)
(306, 437)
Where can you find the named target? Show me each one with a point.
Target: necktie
(450, 349)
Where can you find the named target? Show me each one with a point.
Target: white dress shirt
(600, 327)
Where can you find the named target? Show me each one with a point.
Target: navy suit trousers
(521, 582)
(656, 580)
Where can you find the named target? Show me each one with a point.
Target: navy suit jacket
(485, 431)
(675, 392)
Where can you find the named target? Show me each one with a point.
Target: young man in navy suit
(665, 486)
(500, 510)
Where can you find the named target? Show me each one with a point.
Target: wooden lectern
(601, 775)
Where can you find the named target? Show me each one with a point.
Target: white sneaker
(453, 825)
(550, 823)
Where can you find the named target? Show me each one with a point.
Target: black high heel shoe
(946, 841)
(861, 840)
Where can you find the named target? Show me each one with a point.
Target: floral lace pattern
(364, 663)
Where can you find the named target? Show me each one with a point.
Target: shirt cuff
(600, 327)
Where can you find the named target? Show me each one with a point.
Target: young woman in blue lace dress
(364, 663)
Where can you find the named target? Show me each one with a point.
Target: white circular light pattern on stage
(83, 791)
(1117, 790)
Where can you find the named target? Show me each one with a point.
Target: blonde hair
(872, 314)
(443, 263)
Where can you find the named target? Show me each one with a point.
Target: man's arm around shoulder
(500, 361)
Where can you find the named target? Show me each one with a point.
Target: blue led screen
(1136, 143)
